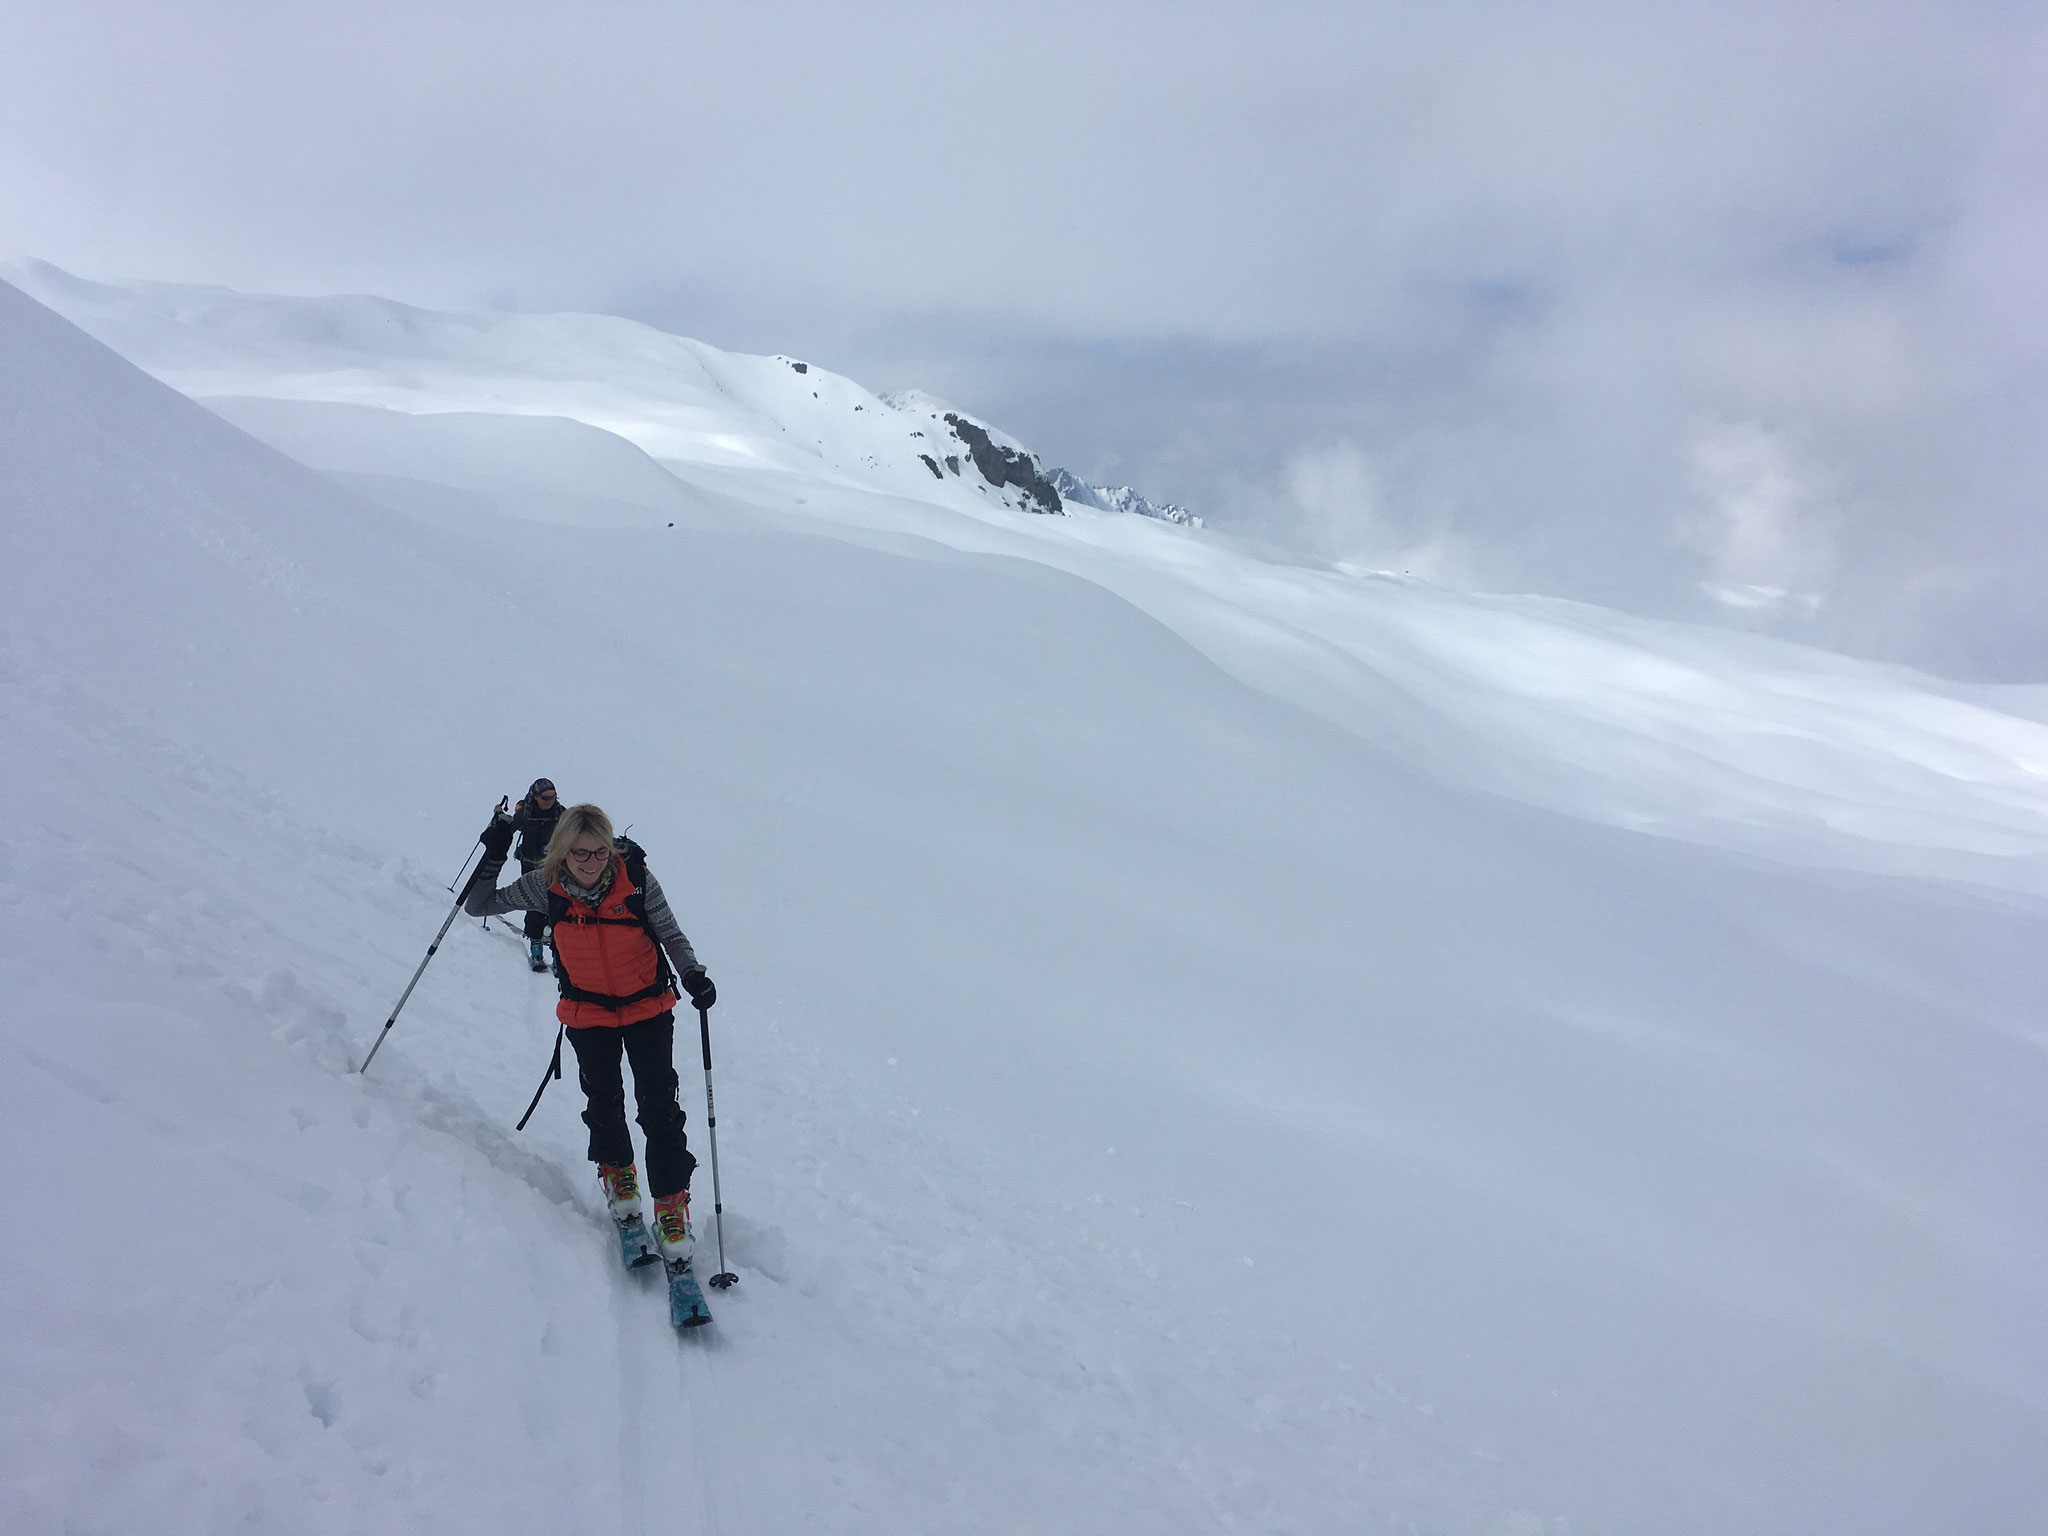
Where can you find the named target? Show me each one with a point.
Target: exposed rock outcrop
(1002, 466)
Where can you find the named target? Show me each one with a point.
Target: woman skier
(620, 955)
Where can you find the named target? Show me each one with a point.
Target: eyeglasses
(584, 855)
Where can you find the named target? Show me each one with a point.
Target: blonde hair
(576, 820)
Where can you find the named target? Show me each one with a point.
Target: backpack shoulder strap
(635, 859)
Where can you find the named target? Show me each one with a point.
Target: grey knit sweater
(529, 893)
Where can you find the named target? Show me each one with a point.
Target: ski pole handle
(497, 814)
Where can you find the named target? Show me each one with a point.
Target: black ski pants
(650, 1046)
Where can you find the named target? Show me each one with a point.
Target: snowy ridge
(676, 399)
(1119, 498)
(1158, 1091)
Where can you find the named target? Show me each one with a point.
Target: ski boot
(534, 957)
(672, 1229)
(622, 1194)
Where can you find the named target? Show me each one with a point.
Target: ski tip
(686, 1308)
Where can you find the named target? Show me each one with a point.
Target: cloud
(1338, 493)
(1134, 169)
(1338, 501)
(1511, 257)
(1769, 532)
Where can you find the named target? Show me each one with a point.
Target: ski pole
(465, 868)
(449, 922)
(724, 1277)
(446, 924)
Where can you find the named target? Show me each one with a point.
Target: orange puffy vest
(611, 971)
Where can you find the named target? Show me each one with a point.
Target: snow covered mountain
(1118, 498)
(1203, 1045)
(678, 400)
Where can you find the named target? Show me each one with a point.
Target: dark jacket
(534, 827)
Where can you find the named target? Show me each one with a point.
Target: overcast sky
(1725, 312)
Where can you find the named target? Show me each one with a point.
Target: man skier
(533, 820)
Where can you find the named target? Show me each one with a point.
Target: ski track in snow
(696, 1430)
(640, 1478)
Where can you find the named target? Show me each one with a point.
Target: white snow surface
(674, 398)
(1741, 742)
(1202, 1045)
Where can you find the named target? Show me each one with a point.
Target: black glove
(698, 985)
(497, 838)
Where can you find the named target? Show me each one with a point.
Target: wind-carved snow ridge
(681, 402)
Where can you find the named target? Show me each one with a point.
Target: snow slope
(675, 398)
(544, 468)
(1742, 743)
(1160, 1092)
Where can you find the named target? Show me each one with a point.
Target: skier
(615, 943)
(533, 819)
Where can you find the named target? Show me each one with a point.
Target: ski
(686, 1308)
(535, 960)
(636, 1244)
